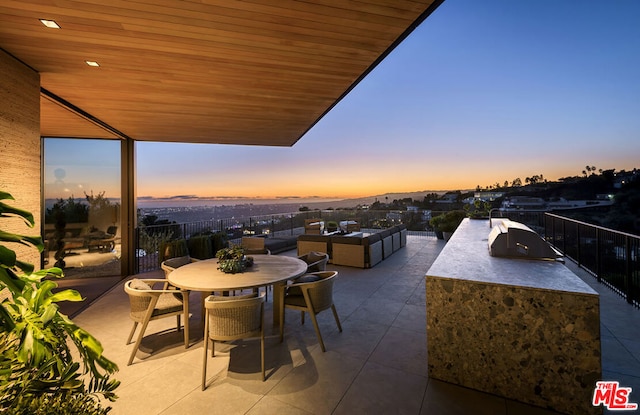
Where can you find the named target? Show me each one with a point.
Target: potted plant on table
(232, 260)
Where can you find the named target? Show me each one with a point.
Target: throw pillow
(137, 284)
(314, 256)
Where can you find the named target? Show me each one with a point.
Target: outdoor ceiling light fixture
(51, 24)
(92, 63)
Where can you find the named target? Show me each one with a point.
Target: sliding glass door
(82, 206)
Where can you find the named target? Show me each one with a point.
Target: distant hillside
(383, 198)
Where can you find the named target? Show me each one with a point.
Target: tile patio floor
(377, 365)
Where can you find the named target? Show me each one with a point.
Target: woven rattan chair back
(232, 318)
(314, 264)
(147, 303)
(316, 296)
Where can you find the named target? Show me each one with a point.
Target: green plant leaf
(7, 256)
(43, 295)
(49, 313)
(9, 279)
(8, 324)
(6, 210)
(49, 272)
(66, 295)
(35, 241)
(26, 267)
(5, 196)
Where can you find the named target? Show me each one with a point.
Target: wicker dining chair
(232, 318)
(316, 261)
(168, 265)
(254, 245)
(311, 293)
(149, 304)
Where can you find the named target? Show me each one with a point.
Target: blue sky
(480, 93)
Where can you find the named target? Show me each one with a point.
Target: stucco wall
(20, 149)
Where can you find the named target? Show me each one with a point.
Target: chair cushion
(167, 303)
(137, 284)
(293, 290)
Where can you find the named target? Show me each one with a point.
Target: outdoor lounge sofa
(277, 244)
(362, 252)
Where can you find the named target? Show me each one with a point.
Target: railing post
(136, 250)
(578, 245)
(598, 258)
(564, 237)
(628, 283)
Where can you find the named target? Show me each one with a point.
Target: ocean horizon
(197, 202)
(148, 202)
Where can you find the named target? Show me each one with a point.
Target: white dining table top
(266, 270)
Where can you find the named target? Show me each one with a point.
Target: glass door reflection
(82, 206)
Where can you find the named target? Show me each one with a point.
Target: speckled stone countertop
(524, 329)
(466, 256)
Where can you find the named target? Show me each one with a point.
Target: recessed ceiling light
(92, 63)
(50, 24)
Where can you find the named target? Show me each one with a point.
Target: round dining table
(204, 276)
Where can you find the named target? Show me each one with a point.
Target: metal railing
(611, 256)
(148, 239)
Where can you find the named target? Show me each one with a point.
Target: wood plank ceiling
(258, 72)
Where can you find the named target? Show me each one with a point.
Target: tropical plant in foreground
(38, 373)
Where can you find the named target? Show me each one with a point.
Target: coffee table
(204, 276)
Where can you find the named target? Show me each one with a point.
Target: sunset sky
(480, 93)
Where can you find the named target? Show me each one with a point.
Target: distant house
(448, 198)
(394, 217)
(523, 203)
(539, 204)
(488, 196)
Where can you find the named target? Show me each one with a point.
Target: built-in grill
(514, 239)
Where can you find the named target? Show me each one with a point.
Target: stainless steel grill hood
(514, 239)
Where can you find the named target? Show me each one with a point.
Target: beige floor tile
(446, 399)
(382, 389)
(379, 310)
(222, 397)
(376, 365)
(319, 383)
(358, 339)
(269, 406)
(403, 349)
(157, 390)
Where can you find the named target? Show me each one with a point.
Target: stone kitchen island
(523, 329)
